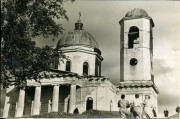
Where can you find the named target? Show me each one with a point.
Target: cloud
(168, 99)
(160, 68)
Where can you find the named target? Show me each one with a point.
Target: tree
(22, 20)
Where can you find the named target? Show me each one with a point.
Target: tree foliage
(22, 20)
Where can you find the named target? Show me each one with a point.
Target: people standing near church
(148, 107)
(137, 107)
(123, 105)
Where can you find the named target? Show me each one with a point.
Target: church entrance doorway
(89, 104)
(76, 111)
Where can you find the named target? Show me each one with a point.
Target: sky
(101, 19)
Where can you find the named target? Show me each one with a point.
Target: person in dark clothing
(123, 105)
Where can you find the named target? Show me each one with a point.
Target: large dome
(77, 37)
(139, 13)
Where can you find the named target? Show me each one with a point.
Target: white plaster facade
(141, 50)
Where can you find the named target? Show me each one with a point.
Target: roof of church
(53, 73)
(138, 13)
(78, 37)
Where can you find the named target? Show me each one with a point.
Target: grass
(87, 114)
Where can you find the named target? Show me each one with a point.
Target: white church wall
(106, 98)
(111, 102)
(141, 71)
(146, 64)
(133, 72)
(102, 98)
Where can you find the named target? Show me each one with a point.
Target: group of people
(137, 108)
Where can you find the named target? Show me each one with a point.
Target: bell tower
(136, 46)
(136, 56)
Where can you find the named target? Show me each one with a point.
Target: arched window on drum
(85, 68)
(68, 65)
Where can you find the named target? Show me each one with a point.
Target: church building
(76, 85)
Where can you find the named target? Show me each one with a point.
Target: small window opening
(68, 65)
(111, 105)
(132, 35)
(56, 63)
(85, 68)
(97, 70)
(133, 61)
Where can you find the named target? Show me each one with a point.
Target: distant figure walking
(137, 107)
(123, 105)
(148, 107)
(166, 113)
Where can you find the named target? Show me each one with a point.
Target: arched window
(132, 35)
(68, 65)
(85, 68)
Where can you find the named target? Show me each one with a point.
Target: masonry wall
(140, 51)
(106, 99)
